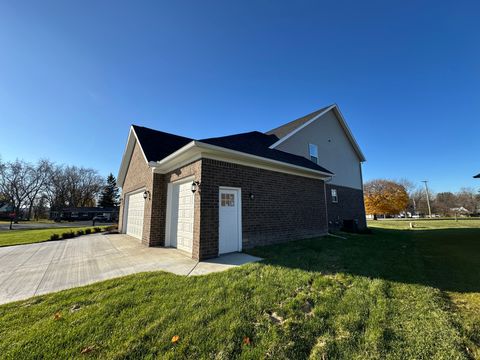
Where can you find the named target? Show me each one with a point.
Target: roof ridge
(159, 131)
(288, 127)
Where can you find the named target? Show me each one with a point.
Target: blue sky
(406, 74)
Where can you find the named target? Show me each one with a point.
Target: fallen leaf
(175, 339)
(246, 340)
(75, 307)
(88, 349)
(57, 316)
(276, 318)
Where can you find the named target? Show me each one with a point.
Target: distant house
(84, 213)
(460, 210)
(5, 210)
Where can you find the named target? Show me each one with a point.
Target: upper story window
(313, 150)
(334, 196)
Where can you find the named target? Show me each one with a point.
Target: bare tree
(468, 198)
(39, 177)
(420, 199)
(15, 183)
(410, 188)
(40, 207)
(72, 186)
(445, 202)
(21, 183)
(3, 196)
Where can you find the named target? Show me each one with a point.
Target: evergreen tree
(110, 194)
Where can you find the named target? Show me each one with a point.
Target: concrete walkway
(35, 269)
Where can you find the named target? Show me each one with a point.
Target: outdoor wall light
(251, 196)
(195, 185)
(146, 194)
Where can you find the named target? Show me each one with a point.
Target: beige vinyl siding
(335, 151)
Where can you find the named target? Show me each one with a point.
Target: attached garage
(219, 195)
(181, 215)
(135, 205)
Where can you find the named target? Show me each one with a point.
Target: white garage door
(182, 216)
(134, 218)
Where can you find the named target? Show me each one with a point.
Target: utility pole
(428, 199)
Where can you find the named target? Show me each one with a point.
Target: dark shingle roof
(287, 128)
(158, 144)
(257, 143)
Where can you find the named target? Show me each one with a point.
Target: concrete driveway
(35, 269)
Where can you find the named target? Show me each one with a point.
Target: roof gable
(477, 176)
(287, 128)
(286, 131)
(156, 145)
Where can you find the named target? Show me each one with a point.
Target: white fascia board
(343, 123)
(293, 132)
(127, 155)
(349, 134)
(196, 150)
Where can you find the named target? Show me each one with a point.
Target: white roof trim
(127, 155)
(197, 149)
(293, 132)
(343, 123)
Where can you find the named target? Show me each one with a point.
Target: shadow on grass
(448, 259)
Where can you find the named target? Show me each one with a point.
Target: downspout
(326, 202)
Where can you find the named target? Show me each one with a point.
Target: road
(35, 225)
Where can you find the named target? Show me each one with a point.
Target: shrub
(54, 237)
(88, 231)
(68, 235)
(112, 229)
(97, 229)
(80, 232)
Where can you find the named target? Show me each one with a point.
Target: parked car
(100, 218)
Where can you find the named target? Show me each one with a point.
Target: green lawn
(396, 294)
(18, 237)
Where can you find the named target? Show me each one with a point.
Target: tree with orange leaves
(384, 197)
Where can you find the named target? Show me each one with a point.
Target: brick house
(219, 195)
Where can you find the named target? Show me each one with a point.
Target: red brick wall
(139, 175)
(285, 207)
(350, 206)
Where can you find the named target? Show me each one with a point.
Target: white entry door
(230, 219)
(134, 215)
(183, 208)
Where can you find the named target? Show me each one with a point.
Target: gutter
(213, 148)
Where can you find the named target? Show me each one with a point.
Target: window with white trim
(313, 151)
(334, 196)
